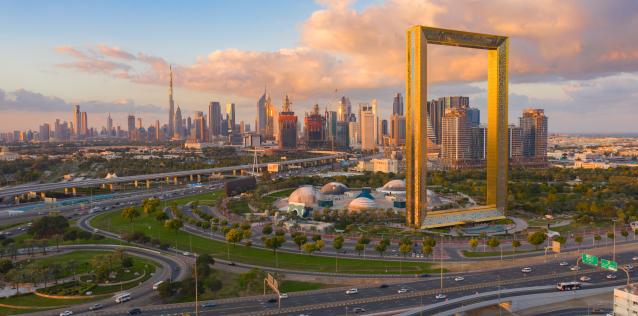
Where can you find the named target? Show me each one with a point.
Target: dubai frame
(416, 117)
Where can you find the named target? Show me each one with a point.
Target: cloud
(24, 100)
(348, 49)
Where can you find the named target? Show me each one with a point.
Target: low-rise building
(626, 300)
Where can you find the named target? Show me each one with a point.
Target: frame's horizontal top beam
(448, 37)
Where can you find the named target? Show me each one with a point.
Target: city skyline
(114, 74)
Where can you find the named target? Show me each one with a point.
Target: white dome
(334, 188)
(305, 194)
(361, 203)
(393, 186)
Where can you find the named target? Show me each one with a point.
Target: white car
(585, 278)
(66, 313)
(186, 253)
(564, 263)
(629, 267)
(459, 278)
(526, 270)
(352, 291)
(403, 290)
(634, 258)
(575, 268)
(283, 296)
(440, 296)
(611, 276)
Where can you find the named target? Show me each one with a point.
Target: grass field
(35, 301)
(114, 222)
(480, 254)
(288, 286)
(208, 198)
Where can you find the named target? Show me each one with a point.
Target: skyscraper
(230, 110)
(375, 122)
(397, 130)
(533, 126)
(44, 132)
(131, 126)
(158, 135)
(178, 127)
(109, 125)
(77, 120)
(314, 124)
(436, 109)
(171, 106)
(367, 120)
(287, 126)
(473, 116)
(455, 142)
(198, 130)
(261, 114)
(214, 119)
(85, 125)
(397, 105)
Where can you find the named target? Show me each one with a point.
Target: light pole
(614, 236)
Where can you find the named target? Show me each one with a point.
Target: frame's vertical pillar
(497, 126)
(416, 118)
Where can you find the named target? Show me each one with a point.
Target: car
(564, 263)
(272, 300)
(459, 278)
(402, 290)
(209, 304)
(611, 276)
(66, 313)
(383, 286)
(629, 267)
(231, 264)
(283, 296)
(358, 310)
(424, 275)
(352, 291)
(134, 311)
(585, 278)
(526, 270)
(575, 268)
(95, 230)
(95, 307)
(634, 258)
(440, 296)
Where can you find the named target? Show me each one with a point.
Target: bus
(122, 297)
(157, 284)
(568, 286)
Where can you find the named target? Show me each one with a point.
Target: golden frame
(417, 38)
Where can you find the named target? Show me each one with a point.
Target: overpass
(41, 188)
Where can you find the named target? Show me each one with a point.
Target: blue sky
(576, 59)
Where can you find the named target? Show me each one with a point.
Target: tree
(404, 249)
(493, 243)
(309, 248)
(173, 224)
(130, 213)
(381, 247)
(320, 244)
(515, 244)
(473, 244)
(429, 241)
(537, 238)
(426, 250)
(267, 230)
(359, 248)
(234, 236)
(150, 205)
(274, 243)
(560, 239)
(579, 240)
(364, 240)
(624, 233)
(300, 239)
(5, 266)
(337, 244)
(611, 235)
(48, 226)
(316, 237)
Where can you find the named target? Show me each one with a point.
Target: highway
(45, 187)
(421, 292)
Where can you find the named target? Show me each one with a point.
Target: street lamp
(614, 236)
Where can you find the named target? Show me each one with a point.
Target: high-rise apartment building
(178, 132)
(84, 128)
(138, 123)
(397, 130)
(287, 126)
(473, 116)
(397, 105)
(367, 120)
(478, 146)
(44, 132)
(330, 119)
(109, 126)
(455, 141)
(533, 126)
(214, 119)
(515, 142)
(77, 120)
(198, 130)
(436, 109)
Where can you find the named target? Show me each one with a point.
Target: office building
(473, 117)
(330, 118)
(77, 120)
(397, 105)
(132, 133)
(44, 132)
(397, 130)
(287, 126)
(230, 111)
(198, 130)
(109, 125)
(367, 120)
(478, 146)
(342, 140)
(435, 111)
(515, 142)
(178, 132)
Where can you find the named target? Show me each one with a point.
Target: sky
(577, 59)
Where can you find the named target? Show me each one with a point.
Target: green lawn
(81, 258)
(238, 206)
(239, 253)
(208, 198)
(282, 193)
(35, 301)
(479, 254)
(297, 286)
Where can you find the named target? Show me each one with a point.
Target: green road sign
(609, 265)
(589, 259)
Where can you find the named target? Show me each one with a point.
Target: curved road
(171, 268)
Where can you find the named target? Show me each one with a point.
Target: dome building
(396, 187)
(361, 204)
(306, 195)
(334, 188)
